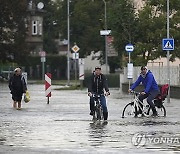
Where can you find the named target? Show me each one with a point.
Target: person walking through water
(17, 86)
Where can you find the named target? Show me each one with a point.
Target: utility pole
(68, 51)
(168, 67)
(105, 26)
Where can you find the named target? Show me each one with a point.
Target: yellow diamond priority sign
(75, 48)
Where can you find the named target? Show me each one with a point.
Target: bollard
(48, 86)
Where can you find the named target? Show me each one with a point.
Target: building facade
(34, 37)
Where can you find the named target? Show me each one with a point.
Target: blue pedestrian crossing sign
(168, 44)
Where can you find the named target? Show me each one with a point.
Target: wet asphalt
(65, 126)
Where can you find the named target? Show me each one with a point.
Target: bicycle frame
(138, 105)
(98, 107)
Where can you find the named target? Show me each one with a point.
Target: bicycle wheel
(161, 111)
(99, 113)
(129, 110)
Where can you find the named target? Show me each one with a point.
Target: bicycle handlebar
(135, 92)
(97, 95)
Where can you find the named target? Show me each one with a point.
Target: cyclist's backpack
(164, 91)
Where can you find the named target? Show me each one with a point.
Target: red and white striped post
(48, 86)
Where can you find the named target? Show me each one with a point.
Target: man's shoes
(105, 115)
(142, 115)
(154, 112)
(137, 113)
(91, 113)
(105, 122)
(155, 115)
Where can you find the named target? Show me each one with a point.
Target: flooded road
(65, 126)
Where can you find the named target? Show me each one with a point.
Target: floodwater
(65, 126)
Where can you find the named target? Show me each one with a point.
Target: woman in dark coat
(17, 85)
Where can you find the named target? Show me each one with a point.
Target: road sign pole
(129, 57)
(75, 73)
(129, 48)
(129, 63)
(43, 70)
(68, 52)
(43, 60)
(81, 71)
(168, 68)
(75, 48)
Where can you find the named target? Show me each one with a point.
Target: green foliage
(85, 25)
(122, 23)
(145, 30)
(55, 63)
(50, 26)
(12, 30)
(152, 29)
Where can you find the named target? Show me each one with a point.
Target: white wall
(160, 73)
(92, 61)
(163, 62)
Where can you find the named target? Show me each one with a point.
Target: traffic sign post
(75, 48)
(43, 60)
(81, 71)
(76, 55)
(129, 48)
(105, 33)
(168, 45)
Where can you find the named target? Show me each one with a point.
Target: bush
(56, 65)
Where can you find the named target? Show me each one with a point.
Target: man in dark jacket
(151, 88)
(97, 84)
(17, 86)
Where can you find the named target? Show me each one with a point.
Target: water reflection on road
(64, 126)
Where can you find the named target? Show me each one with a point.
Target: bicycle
(136, 107)
(98, 110)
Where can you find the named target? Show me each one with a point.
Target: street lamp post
(105, 26)
(168, 68)
(68, 51)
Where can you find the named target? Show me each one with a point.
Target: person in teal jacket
(151, 89)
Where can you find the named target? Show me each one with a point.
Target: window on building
(34, 27)
(40, 28)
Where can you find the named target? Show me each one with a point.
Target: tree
(85, 25)
(12, 30)
(144, 29)
(151, 30)
(122, 23)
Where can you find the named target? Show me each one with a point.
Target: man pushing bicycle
(151, 89)
(97, 84)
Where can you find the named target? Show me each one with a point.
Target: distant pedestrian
(17, 86)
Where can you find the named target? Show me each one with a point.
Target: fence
(160, 73)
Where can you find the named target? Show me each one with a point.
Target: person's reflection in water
(97, 133)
